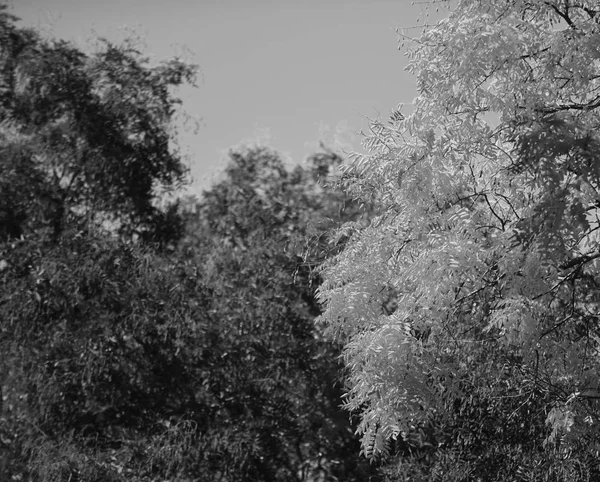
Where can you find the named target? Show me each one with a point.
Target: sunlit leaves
(490, 191)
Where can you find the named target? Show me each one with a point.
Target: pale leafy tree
(490, 193)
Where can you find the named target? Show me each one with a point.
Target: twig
(556, 326)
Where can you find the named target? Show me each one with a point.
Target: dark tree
(272, 378)
(84, 136)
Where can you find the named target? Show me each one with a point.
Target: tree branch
(589, 106)
(564, 15)
(502, 221)
(579, 260)
(556, 326)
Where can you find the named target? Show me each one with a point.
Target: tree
(98, 341)
(490, 193)
(124, 363)
(270, 378)
(84, 136)
(121, 360)
(93, 380)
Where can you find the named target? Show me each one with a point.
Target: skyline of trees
(445, 287)
(147, 341)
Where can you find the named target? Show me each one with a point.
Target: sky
(286, 73)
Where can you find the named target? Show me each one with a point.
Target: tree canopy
(148, 343)
(488, 242)
(272, 379)
(84, 135)
(89, 367)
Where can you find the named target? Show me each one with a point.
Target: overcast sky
(288, 72)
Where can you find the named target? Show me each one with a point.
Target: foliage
(83, 135)
(124, 355)
(271, 379)
(490, 192)
(123, 364)
(94, 381)
(95, 339)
